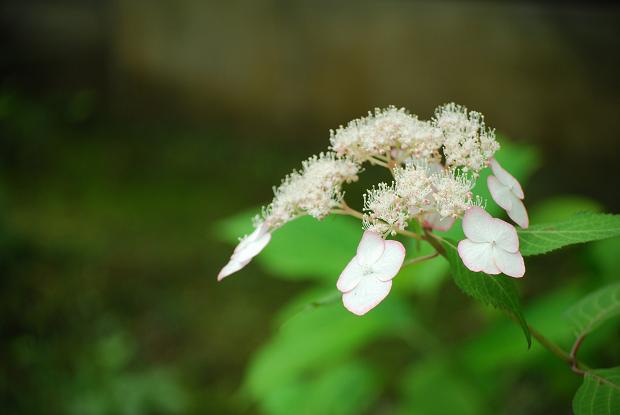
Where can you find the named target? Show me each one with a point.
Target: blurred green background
(139, 137)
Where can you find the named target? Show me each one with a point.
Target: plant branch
(347, 210)
(573, 355)
(435, 241)
(575, 365)
(420, 259)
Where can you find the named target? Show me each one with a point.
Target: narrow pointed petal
(518, 214)
(507, 179)
(370, 248)
(390, 262)
(509, 263)
(350, 276)
(366, 296)
(478, 256)
(500, 193)
(478, 225)
(505, 235)
(251, 249)
(230, 268)
(259, 232)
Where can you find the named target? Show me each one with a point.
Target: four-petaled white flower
(492, 245)
(507, 192)
(248, 248)
(367, 279)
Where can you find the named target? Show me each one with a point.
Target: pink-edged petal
(505, 235)
(478, 225)
(507, 179)
(251, 249)
(518, 214)
(350, 276)
(510, 263)
(370, 248)
(435, 221)
(366, 296)
(390, 262)
(230, 268)
(500, 193)
(478, 256)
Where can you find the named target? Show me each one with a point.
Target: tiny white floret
(248, 248)
(492, 245)
(367, 279)
(507, 193)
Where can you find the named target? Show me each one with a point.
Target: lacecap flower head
(434, 164)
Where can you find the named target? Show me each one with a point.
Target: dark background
(129, 128)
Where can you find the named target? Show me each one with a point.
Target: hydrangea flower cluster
(434, 165)
(314, 190)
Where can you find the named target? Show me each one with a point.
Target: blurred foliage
(108, 250)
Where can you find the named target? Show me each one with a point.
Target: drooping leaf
(583, 227)
(599, 394)
(594, 309)
(496, 290)
(304, 248)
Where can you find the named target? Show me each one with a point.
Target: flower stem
(573, 355)
(420, 259)
(576, 366)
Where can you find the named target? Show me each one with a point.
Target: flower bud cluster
(313, 190)
(386, 133)
(468, 143)
(455, 133)
(418, 191)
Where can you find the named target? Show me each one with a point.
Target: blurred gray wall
(323, 62)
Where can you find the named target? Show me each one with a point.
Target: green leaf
(599, 394)
(583, 227)
(304, 248)
(316, 339)
(345, 389)
(594, 309)
(562, 207)
(435, 387)
(496, 290)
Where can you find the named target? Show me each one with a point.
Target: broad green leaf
(594, 309)
(344, 389)
(583, 227)
(434, 387)
(304, 248)
(562, 207)
(498, 345)
(318, 338)
(496, 290)
(599, 394)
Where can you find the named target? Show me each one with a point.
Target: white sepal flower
(367, 279)
(492, 245)
(248, 248)
(507, 193)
